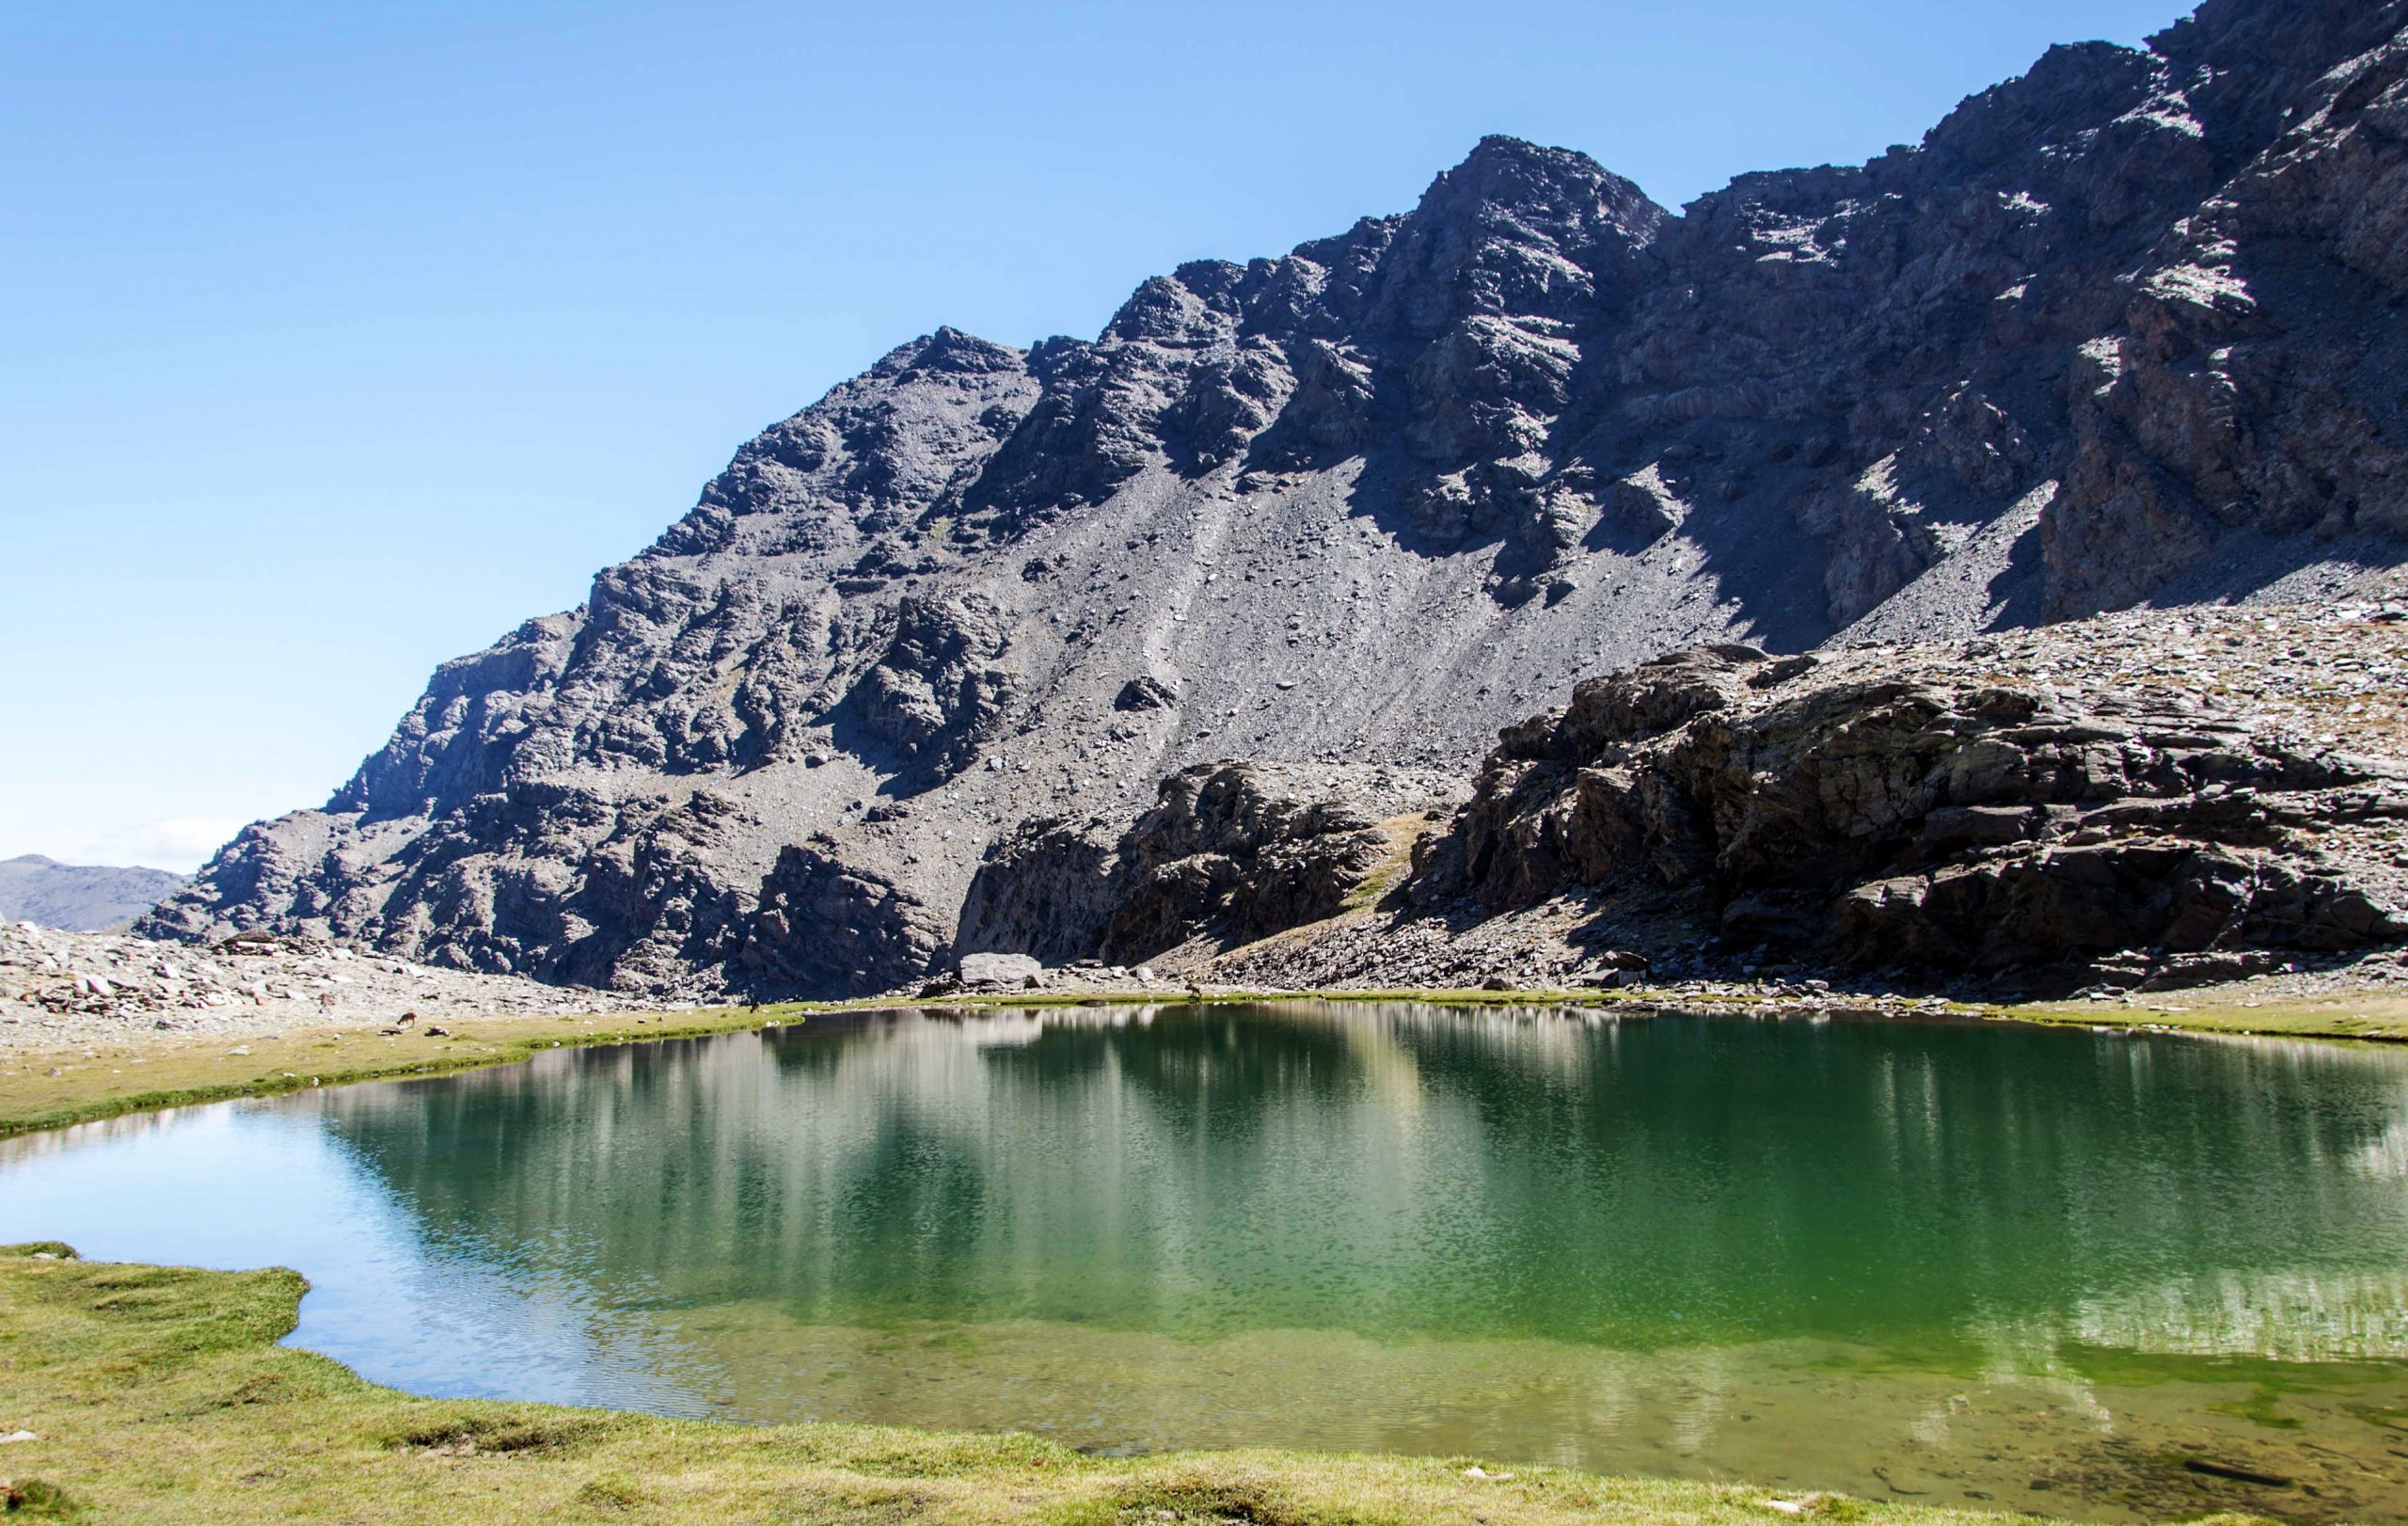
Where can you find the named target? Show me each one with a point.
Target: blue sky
(341, 338)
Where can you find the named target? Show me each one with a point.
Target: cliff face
(1906, 806)
(1230, 854)
(2127, 328)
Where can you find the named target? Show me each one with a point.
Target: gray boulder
(1015, 970)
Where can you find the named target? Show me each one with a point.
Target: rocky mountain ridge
(2127, 328)
(80, 898)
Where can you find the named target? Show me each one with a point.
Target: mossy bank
(158, 1394)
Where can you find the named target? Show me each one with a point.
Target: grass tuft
(499, 1431)
(34, 1500)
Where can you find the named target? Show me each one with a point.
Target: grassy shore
(157, 1395)
(50, 1087)
(2380, 1015)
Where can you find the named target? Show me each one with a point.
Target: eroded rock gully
(2127, 330)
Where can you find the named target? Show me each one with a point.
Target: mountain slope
(2127, 327)
(80, 898)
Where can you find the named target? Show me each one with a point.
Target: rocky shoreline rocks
(78, 988)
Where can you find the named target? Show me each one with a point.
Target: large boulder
(1015, 970)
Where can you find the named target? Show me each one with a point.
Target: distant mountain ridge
(2128, 328)
(80, 898)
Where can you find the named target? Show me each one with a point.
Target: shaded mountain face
(80, 898)
(2128, 328)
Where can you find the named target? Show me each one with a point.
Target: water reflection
(1430, 1172)
(1836, 1253)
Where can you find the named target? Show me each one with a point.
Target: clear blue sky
(341, 338)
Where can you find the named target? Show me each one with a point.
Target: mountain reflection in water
(1663, 1243)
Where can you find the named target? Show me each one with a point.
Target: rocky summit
(2125, 332)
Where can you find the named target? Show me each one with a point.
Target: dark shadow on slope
(2019, 593)
(2243, 563)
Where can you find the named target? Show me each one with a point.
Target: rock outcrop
(2163, 797)
(1230, 854)
(2128, 328)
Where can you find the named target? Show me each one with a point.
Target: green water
(2039, 1269)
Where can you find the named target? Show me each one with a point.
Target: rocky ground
(1230, 851)
(68, 988)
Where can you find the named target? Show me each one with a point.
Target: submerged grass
(158, 1394)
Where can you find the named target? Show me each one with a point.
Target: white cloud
(182, 843)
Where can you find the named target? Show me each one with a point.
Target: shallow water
(2037, 1269)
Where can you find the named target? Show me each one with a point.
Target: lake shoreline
(48, 1087)
(224, 1424)
(1512, 1288)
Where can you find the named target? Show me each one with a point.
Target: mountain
(2127, 330)
(80, 898)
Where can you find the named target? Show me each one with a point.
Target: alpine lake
(2097, 1274)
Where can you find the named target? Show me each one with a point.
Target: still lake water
(2034, 1269)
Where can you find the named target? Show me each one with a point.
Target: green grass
(104, 1080)
(1405, 834)
(2378, 1015)
(158, 1395)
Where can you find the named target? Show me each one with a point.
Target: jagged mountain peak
(1532, 180)
(949, 349)
(2118, 330)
